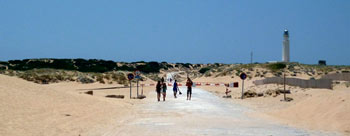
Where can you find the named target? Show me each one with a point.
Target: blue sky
(195, 31)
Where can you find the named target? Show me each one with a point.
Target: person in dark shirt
(189, 84)
(175, 88)
(158, 89)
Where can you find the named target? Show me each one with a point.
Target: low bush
(99, 78)
(120, 78)
(85, 80)
(276, 66)
(203, 70)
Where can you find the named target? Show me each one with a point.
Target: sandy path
(206, 114)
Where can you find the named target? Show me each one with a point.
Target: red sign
(235, 84)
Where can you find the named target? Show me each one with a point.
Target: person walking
(175, 88)
(164, 87)
(158, 89)
(189, 84)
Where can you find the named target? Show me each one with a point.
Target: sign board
(243, 76)
(130, 76)
(230, 85)
(235, 84)
(137, 74)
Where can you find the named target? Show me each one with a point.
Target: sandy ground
(314, 109)
(59, 109)
(324, 109)
(64, 109)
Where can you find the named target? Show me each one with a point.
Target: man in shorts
(164, 87)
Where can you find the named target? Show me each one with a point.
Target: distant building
(285, 50)
(322, 62)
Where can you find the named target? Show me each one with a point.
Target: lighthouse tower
(285, 50)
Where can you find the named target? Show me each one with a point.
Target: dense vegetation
(203, 70)
(45, 71)
(82, 65)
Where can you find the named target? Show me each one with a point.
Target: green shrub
(88, 65)
(151, 67)
(85, 80)
(207, 74)
(347, 84)
(276, 66)
(119, 77)
(60, 77)
(238, 72)
(203, 70)
(99, 78)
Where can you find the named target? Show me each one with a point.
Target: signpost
(130, 77)
(243, 77)
(284, 86)
(137, 76)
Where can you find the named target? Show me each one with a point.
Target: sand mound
(325, 110)
(318, 109)
(32, 109)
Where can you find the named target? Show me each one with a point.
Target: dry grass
(46, 76)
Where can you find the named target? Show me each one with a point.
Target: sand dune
(32, 109)
(64, 109)
(324, 110)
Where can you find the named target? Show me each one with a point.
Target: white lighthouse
(285, 50)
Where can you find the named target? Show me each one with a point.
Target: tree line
(89, 65)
